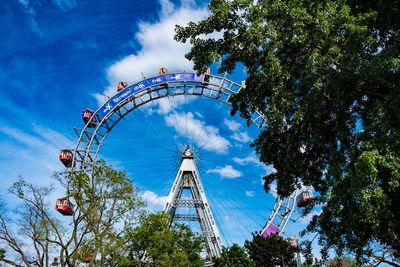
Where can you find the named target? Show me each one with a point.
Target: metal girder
(188, 203)
(186, 217)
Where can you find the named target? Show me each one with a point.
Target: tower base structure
(188, 179)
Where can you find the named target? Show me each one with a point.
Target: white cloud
(158, 47)
(62, 4)
(33, 155)
(164, 106)
(65, 4)
(241, 137)
(205, 136)
(154, 201)
(232, 125)
(40, 147)
(226, 172)
(31, 12)
(273, 190)
(249, 159)
(250, 193)
(237, 135)
(25, 3)
(253, 159)
(307, 219)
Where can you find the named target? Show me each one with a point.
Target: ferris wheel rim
(227, 87)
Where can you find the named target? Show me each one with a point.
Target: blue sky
(58, 57)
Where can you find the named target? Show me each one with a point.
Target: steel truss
(188, 178)
(283, 209)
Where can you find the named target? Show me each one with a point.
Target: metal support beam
(189, 179)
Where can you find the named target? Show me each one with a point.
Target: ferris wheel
(99, 123)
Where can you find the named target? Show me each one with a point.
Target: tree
(106, 205)
(270, 251)
(157, 243)
(342, 262)
(40, 231)
(306, 251)
(233, 256)
(325, 74)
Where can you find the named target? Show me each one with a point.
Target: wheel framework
(90, 139)
(280, 216)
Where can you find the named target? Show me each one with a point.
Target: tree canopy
(233, 256)
(325, 74)
(270, 251)
(155, 242)
(342, 262)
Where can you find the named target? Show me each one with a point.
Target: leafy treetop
(326, 76)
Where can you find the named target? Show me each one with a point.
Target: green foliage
(160, 244)
(370, 187)
(326, 76)
(233, 256)
(271, 251)
(343, 262)
(306, 251)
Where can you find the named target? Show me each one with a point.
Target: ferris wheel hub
(187, 152)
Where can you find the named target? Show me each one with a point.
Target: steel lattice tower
(188, 178)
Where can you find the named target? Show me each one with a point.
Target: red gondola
(121, 86)
(206, 77)
(88, 118)
(64, 206)
(304, 198)
(162, 71)
(66, 157)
